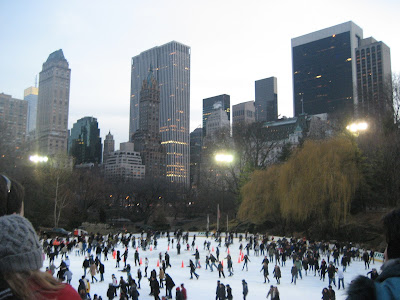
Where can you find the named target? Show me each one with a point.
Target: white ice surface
(309, 287)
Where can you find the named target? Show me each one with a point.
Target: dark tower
(147, 139)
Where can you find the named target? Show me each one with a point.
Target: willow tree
(259, 196)
(316, 184)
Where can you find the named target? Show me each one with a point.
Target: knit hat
(20, 249)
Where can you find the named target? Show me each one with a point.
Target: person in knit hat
(20, 263)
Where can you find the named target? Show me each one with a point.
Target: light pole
(357, 127)
(223, 159)
(37, 159)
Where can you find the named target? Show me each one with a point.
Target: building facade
(217, 121)
(13, 119)
(215, 103)
(171, 67)
(84, 142)
(124, 164)
(324, 70)
(286, 132)
(374, 78)
(243, 113)
(266, 99)
(147, 140)
(109, 146)
(196, 145)
(53, 105)
(31, 96)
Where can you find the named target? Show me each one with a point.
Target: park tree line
(326, 182)
(321, 184)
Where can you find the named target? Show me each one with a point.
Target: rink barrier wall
(378, 256)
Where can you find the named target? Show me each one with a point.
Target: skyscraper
(147, 139)
(171, 67)
(53, 105)
(243, 113)
(374, 78)
(215, 103)
(109, 146)
(31, 95)
(217, 122)
(266, 103)
(13, 116)
(324, 69)
(84, 143)
(196, 144)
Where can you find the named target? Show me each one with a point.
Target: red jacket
(66, 293)
(183, 291)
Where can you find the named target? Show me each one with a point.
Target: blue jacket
(385, 287)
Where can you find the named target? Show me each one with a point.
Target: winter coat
(331, 271)
(161, 274)
(93, 269)
(135, 293)
(221, 292)
(178, 294)
(245, 288)
(385, 287)
(265, 268)
(293, 271)
(85, 263)
(169, 282)
(229, 293)
(220, 267)
(184, 294)
(277, 273)
(156, 287)
(298, 264)
(110, 292)
(68, 274)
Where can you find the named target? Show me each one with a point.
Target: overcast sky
(233, 43)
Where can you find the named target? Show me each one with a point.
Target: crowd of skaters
(21, 259)
(306, 256)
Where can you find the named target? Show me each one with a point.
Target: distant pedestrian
(245, 289)
(246, 260)
(220, 270)
(178, 295)
(293, 271)
(277, 274)
(273, 292)
(229, 292)
(184, 292)
(192, 270)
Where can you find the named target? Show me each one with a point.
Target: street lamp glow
(356, 127)
(38, 159)
(224, 158)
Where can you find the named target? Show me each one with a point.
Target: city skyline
(236, 47)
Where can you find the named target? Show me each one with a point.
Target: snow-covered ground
(204, 288)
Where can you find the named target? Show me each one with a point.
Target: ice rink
(310, 287)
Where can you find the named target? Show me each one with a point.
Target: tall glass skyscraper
(324, 69)
(31, 95)
(171, 67)
(374, 78)
(266, 103)
(84, 143)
